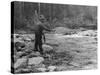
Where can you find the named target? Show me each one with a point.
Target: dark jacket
(40, 28)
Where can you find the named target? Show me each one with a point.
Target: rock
(20, 62)
(40, 66)
(19, 46)
(53, 42)
(47, 47)
(17, 38)
(34, 54)
(42, 69)
(25, 38)
(90, 67)
(51, 68)
(35, 60)
(37, 53)
(61, 68)
(74, 64)
(23, 70)
(92, 33)
(19, 54)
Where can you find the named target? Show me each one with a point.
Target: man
(39, 28)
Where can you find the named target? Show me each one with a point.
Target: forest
(71, 16)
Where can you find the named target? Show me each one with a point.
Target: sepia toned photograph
(51, 37)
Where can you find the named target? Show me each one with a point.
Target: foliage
(72, 16)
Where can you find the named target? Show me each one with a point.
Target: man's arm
(45, 28)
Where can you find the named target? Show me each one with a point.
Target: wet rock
(74, 64)
(19, 46)
(34, 54)
(90, 67)
(17, 38)
(35, 60)
(27, 39)
(20, 62)
(21, 54)
(42, 69)
(23, 70)
(40, 66)
(53, 42)
(18, 54)
(51, 68)
(47, 47)
(88, 33)
(61, 68)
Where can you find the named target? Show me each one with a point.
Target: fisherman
(39, 34)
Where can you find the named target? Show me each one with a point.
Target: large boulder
(35, 60)
(20, 62)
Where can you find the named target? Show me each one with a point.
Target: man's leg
(43, 35)
(36, 46)
(40, 47)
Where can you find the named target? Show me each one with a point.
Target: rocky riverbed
(61, 53)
